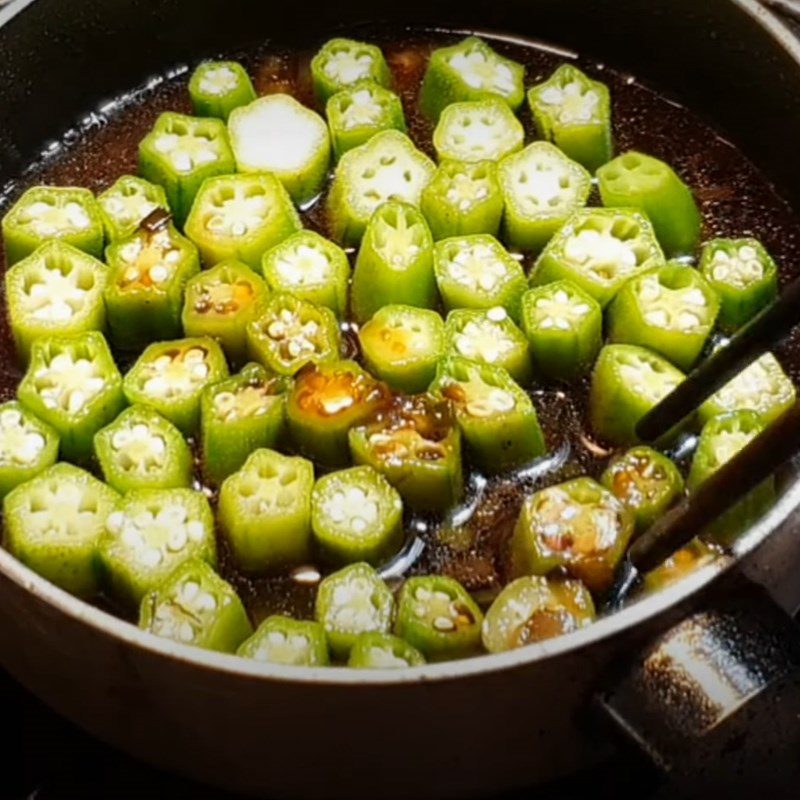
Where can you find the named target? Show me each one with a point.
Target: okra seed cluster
(20, 442)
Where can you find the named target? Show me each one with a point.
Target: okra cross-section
(57, 290)
(42, 213)
(265, 512)
(140, 449)
(744, 276)
(387, 167)
(533, 609)
(73, 385)
(148, 535)
(484, 130)
(598, 250)
(541, 190)
(239, 415)
(170, 377)
(277, 134)
(670, 309)
(240, 217)
(470, 70)
(28, 446)
(564, 327)
(126, 203)
(383, 651)
(292, 642)
(340, 63)
(195, 606)
(395, 262)
(627, 382)
(574, 112)
(352, 601)
(577, 526)
(497, 419)
(180, 152)
(53, 524)
(217, 87)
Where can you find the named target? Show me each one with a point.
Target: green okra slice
(470, 70)
(195, 606)
(141, 449)
(356, 515)
(646, 481)
(73, 385)
(356, 113)
(292, 642)
(599, 250)
(415, 444)
(744, 276)
(541, 189)
(383, 651)
(221, 302)
(148, 535)
(535, 608)
(311, 268)
(147, 277)
(265, 512)
(497, 419)
(437, 616)
(56, 290)
(325, 402)
(634, 180)
(387, 167)
(401, 345)
(67, 213)
(684, 562)
(350, 602)
(53, 524)
(627, 382)
(217, 87)
(478, 272)
(180, 152)
(240, 217)
(170, 377)
(277, 134)
(476, 131)
(564, 327)
(574, 112)
(341, 63)
(126, 203)
(394, 263)
(291, 333)
(670, 309)
(239, 415)
(28, 446)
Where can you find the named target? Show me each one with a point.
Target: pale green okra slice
(383, 651)
(126, 203)
(341, 63)
(28, 446)
(484, 130)
(217, 87)
(287, 641)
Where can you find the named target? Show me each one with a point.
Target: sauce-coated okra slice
(287, 641)
(350, 602)
(170, 377)
(149, 534)
(696, 555)
(217, 87)
(265, 512)
(195, 606)
(73, 385)
(66, 213)
(53, 524)
(578, 527)
(394, 263)
(533, 609)
(56, 290)
(599, 250)
(341, 63)
(564, 327)
(634, 180)
(469, 70)
(278, 135)
(325, 402)
(141, 449)
(240, 415)
(28, 446)
(383, 651)
(401, 345)
(497, 419)
(126, 203)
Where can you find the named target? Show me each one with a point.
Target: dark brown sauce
(735, 198)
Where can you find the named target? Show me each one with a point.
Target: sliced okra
(265, 512)
(28, 446)
(292, 642)
(689, 559)
(383, 651)
(126, 203)
(217, 87)
(53, 524)
(73, 385)
(341, 63)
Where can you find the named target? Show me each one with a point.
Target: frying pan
(683, 660)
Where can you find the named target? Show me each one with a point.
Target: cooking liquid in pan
(736, 200)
